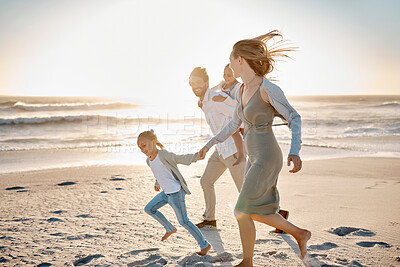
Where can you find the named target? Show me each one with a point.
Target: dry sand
(351, 205)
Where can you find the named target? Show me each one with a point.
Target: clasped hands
(203, 152)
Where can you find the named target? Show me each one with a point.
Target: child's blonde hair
(150, 135)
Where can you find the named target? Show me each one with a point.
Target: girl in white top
(163, 165)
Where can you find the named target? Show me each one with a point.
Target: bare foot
(167, 234)
(302, 242)
(204, 251)
(245, 263)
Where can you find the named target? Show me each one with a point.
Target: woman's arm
(227, 131)
(278, 100)
(275, 96)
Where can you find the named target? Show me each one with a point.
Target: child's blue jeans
(177, 202)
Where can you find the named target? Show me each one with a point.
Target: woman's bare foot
(167, 234)
(302, 242)
(204, 251)
(245, 263)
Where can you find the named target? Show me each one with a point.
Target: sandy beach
(93, 216)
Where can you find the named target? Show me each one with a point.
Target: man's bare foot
(167, 234)
(302, 242)
(204, 251)
(245, 263)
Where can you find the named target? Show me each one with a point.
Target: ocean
(47, 132)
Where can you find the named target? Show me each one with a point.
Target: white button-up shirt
(218, 114)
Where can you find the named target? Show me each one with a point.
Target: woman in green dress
(259, 102)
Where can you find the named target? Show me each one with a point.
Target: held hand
(296, 162)
(203, 152)
(219, 98)
(157, 188)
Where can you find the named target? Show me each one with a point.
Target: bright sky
(147, 49)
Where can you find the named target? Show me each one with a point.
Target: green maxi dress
(259, 194)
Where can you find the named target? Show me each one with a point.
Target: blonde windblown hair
(260, 56)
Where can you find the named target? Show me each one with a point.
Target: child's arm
(230, 101)
(186, 159)
(224, 97)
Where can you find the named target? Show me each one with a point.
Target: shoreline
(31, 160)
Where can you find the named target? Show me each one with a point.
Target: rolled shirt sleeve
(279, 101)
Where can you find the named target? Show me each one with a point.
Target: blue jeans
(177, 202)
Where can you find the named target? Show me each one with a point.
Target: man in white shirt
(217, 114)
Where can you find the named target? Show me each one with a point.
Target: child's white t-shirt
(164, 176)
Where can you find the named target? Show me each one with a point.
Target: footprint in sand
(66, 183)
(118, 188)
(54, 220)
(20, 220)
(263, 241)
(80, 237)
(117, 179)
(57, 211)
(44, 264)
(15, 188)
(341, 260)
(84, 216)
(224, 257)
(56, 234)
(356, 263)
(152, 260)
(281, 255)
(275, 254)
(324, 246)
(86, 259)
(376, 185)
(196, 260)
(136, 252)
(269, 253)
(363, 232)
(103, 192)
(318, 255)
(366, 244)
(343, 231)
